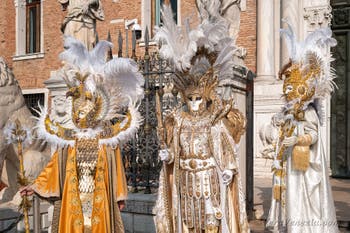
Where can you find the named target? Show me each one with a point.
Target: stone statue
(229, 10)
(80, 21)
(61, 113)
(12, 107)
(268, 135)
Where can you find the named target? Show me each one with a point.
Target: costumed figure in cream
(200, 188)
(85, 176)
(302, 197)
(80, 21)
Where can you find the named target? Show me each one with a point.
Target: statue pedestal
(60, 105)
(137, 215)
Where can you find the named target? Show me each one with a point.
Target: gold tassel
(277, 192)
(301, 158)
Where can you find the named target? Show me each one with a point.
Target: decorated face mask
(87, 112)
(297, 84)
(194, 102)
(86, 106)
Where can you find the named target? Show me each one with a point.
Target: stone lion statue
(12, 107)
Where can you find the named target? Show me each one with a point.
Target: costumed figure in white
(80, 21)
(85, 176)
(200, 188)
(302, 197)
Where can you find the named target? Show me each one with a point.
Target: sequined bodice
(87, 153)
(194, 138)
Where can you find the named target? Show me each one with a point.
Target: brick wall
(7, 30)
(32, 73)
(247, 34)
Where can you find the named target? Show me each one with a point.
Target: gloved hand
(164, 155)
(290, 141)
(227, 176)
(276, 164)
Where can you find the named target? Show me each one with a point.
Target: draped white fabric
(309, 206)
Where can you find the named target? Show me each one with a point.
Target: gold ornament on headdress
(201, 81)
(87, 112)
(87, 106)
(299, 82)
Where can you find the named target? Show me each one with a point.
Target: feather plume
(313, 51)
(178, 44)
(112, 80)
(214, 32)
(184, 47)
(42, 133)
(136, 121)
(290, 39)
(76, 54)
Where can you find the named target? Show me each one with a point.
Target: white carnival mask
(194, 103)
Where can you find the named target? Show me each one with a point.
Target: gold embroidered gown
(88, 181)
(199, 200)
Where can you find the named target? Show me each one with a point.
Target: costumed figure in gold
(85, 176)
(302, 197)
(200, 188)
(80, 21)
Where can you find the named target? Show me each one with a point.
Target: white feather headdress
(311, 54)
(117, 80)
(315, 48)
(194, 51)
(102, 91)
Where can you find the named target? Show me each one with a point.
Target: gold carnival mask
(299, 83)
(299, 78)
(86, 107)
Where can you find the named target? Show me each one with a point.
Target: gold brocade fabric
(71, 215)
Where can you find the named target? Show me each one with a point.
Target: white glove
(290, 141)
(164, 155)
(227, 176)
(276, 164)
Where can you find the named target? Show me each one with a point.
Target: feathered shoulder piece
(197, 54)
(308, 75)
(102, 92)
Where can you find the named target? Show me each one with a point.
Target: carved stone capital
(318, 16)
(20, 3)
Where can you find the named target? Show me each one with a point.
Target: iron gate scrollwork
(141, 154)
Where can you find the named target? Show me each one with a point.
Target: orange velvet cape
(110, 187)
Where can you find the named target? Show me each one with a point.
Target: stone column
(291, 12)
(266, 48)
(267, 89)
